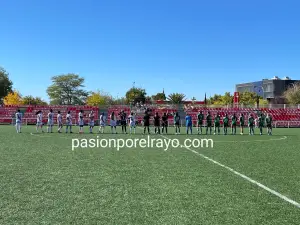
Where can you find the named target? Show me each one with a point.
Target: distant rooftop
(277, 78)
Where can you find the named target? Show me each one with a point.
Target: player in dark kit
(164, 119)
(123, 118)
(217, 124)
(251, 124)
(269, 124)
(156, 123)
(242, 123)
(200, 118)
(147, 123)
(261, 123)
(177, 123)
(225, 124)
(208, 123)
(233, 124)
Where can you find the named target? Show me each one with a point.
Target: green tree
(292, 94)
(176, 98)
(134, 95)
(227, 99)
(159, 96)
(30, 100)
(248, 98)
(5, 84)
(263, 101)
(67, 90)
(215, 100)
(118, 101)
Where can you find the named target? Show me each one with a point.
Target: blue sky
(187, 46)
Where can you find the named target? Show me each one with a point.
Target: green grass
(42, 181)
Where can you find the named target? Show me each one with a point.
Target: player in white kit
(59, 122)
(113, 123)
(39, 121)
(80, 121)
(69, 122)
(92, 121)
(102, 123)
(18, 121)
(50, 121)
(131, 118)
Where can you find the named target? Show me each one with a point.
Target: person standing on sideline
(113, 123)
(131, 118)
(123, 118)
(188, 123)
(208, 123)
(92, 121)
(156, 123)
(242, 123)
(200, 118)
(233, 124)
(217, 124)
(269, 124)
(147, 123)
(39, 121)
(102, 123)
(18, 121)
(50, 121)
(59, 122)
(251, 124)
(177, 123)
(164, 119)
(225, 124)
(69, 122)
(81, 121)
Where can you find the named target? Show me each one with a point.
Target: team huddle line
(213, 122)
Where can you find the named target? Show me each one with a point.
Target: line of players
(69, 124)
(210, 123)
(160, 123)
(215, 122)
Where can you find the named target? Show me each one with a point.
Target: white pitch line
(283, 197)
(247, 141)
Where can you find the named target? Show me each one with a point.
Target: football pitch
(241, 180)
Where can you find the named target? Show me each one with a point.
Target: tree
(159, 96)
(118, 101)
(176, 98)
(67, 90)
(263, 101)
(30, 100)
(98, 98)
(215, 100)
(248, 98)
(13, 98)
(5, 84)
(292, 94)
(148, 100)
(227, 99)
(134, 95)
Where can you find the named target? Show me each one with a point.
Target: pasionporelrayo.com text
(141, 143)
